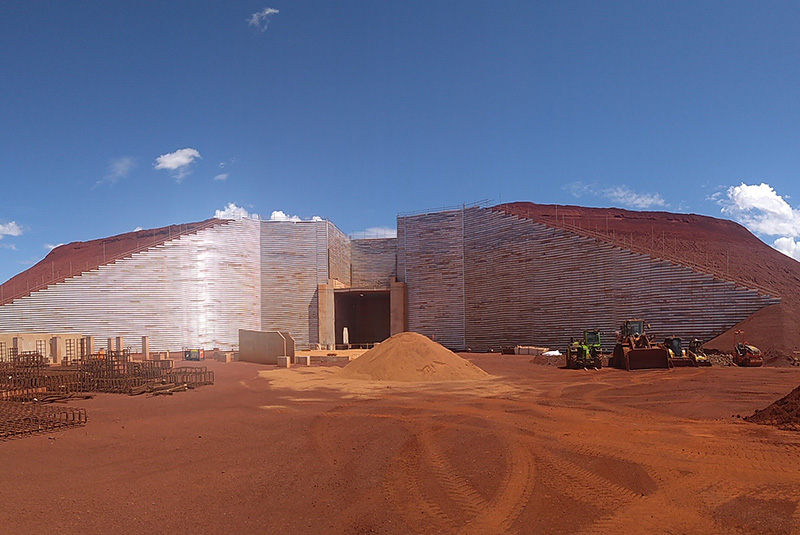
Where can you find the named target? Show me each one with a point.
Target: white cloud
(10, 229)
(50, 246)
(231, 211)
(376, 232)
(627, 197)
(8, 246)
(788, 246)
(179, 162)
(579, 189)
(278, 215)
(137, 229)
(762, 210)
(260, 19)
(622, 195)
(221, 176)
(118, 168)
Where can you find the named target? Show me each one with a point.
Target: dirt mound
(784, 413)
(718, 246)
(549, 360)
(411, 357)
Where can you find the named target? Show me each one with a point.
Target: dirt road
(537, 450)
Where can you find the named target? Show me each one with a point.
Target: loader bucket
(642, 359)
(677, 362)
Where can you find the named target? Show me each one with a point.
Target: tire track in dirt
(680, 491)
(685, 498)
(480, 516)
(403, 488)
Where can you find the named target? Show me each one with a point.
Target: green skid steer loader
(586, 353)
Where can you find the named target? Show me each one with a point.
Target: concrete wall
(327, 324)
(264, 347)
(55, 346)
(515, 282)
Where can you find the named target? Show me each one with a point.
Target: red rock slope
(718, 246)
(73, 258)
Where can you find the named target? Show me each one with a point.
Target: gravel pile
(721, 359)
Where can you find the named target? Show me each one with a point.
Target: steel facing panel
(339, 255)
(432, 261)
(294, 260)
(530, 284)
(196, 290)
(374, 262)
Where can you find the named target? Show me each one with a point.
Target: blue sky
(118, 115)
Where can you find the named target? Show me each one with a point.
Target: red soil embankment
(717, 246)
(784, 413)
(68, 260)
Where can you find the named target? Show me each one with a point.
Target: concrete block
(303, 360)
(284, 361)
(264, 346)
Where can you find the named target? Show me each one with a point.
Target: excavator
(743, 354)
(635, 350)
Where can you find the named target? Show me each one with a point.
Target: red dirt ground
(66, 260)
(718, 244)
(539, 449)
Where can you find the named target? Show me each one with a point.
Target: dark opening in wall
(365, 313)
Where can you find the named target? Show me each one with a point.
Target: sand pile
(411, 357)
(784, 413)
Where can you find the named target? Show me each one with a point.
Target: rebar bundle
(20, 419)
(27, 382)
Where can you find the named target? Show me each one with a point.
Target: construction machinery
(635, 349)
(745, 354)
(697, 353)
(585, 353)
(678, 355)
(193, 354)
